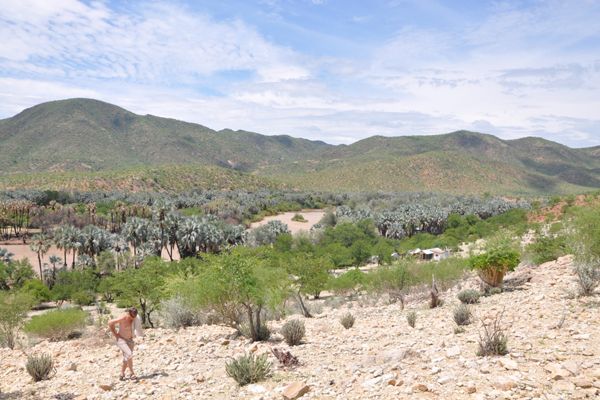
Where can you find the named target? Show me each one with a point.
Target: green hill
(88, 144)
(90, 135)
(161, 178)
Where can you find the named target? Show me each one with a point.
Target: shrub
(462, 315)
(176, 313)
(299, 218)
(411, 318)
(499, 257)
(347, 320)
(587, 277)
(495, 290)
(493, 341)
(293, 331)
(548, 248)
(37, 289)
(39, 366)
(82, 298)
(248, 368)
(469, 296)
(263, 333)
(347, 282)
(57, 324)
(13, 311)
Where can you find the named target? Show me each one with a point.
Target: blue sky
(331, 70)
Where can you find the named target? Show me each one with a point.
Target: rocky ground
(380, 357)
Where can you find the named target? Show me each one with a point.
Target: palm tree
(160, 212)
(136, 231)
(72, 241)
(6, 256)
(60, 240)
(40, 244)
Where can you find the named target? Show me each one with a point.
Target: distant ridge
(44, 145)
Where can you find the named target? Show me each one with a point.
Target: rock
(106, 388)
(72, 366)
(392, 356)
(256, 388)
(80, 397)
(596, 373)
(471, 388)
(503, 383)
(571, 366)
(296, 390)
(563, 386)
(583, 383)
(224, 342)
(372, 382)
(453, 351)
(557, 372)
(444, 379)
(509, 364)
(419, 387)
(585, 336)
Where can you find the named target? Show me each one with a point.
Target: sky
(332, 70)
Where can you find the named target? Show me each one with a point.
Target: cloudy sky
(334, 70)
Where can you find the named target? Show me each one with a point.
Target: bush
(548, 248)
(57, 324)
(470, 296)
(462, 315)
(411, 318)
(177, 314)
(293, 331)
(299, 218)
(495, 290)
(347, 282)
(263, 333)
(493, 341)
(39, 366)
(347, 320)
(499, 257)
(82, 298)
(13, 311)
(37, 289)
(587, 277)
(248, 369)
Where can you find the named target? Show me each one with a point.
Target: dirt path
(312, 217)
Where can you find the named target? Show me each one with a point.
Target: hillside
(451, 172)
(83, 135)
(161, 178)
(90, 135)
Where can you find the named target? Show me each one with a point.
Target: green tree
(20, 272)
(13, 312)
(361, 251)
(37, 289)
(310, 276)
(144, 286)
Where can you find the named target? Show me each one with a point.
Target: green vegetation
(293, 331)
(583, 242)
(347, 320)
(498, 256)
(57, 324)
(470, 296)
(13, 311)
(39, 366)
(411, 318)
(248, 369)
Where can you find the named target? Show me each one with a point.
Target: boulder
(295, 390)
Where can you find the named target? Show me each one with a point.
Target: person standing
(129, 326)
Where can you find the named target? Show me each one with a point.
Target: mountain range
(88, 144)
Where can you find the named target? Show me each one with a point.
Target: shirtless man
(125, 339)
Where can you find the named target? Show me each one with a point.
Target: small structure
(434, 254)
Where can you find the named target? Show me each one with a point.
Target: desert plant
(248, 368)
(462, 315)
(293, 331)
(57, 324)
(411, 318)
(495, 290)
(493, 341)
(37, 289)
(39, 366)
(347, 320)
(499, 257)
(176, 313)
(263, 332)
(469, 296)
(13, 311)
(587, 276)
